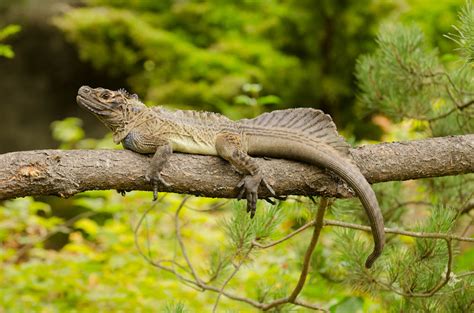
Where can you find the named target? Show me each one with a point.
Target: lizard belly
(188, 145)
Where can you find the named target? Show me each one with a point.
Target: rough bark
(65, 173)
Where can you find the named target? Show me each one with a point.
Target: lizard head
(116, 109)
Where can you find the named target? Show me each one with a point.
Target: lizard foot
(155, 178)
(249, 186)
(122, 192)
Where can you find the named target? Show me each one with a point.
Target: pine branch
(65, 173)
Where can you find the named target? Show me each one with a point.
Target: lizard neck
(133, 122)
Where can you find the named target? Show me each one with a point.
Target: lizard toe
(251, 204)
(155, 191)
(241, 193)
(249, 187)
(155, 179)
(269, 187)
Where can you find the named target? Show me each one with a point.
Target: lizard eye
(105, 95)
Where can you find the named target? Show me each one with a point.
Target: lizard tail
(367, 196)
(300, 148)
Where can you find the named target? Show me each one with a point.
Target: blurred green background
(240, 58)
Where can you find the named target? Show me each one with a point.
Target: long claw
(122, 192)
(163, 182)
(269, 187)
(269, 201)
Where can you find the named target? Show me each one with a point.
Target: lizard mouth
(89, 105)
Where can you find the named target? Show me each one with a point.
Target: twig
(180, 240)
(469, 206)
(309, 306)
(457, 107)
(465, 274)
(399, 231)
(274, 243)
(234, 272)
(318, 225)
(158, 263)
(328, 222)
(212, 208)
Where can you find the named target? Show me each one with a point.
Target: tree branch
(67, 172)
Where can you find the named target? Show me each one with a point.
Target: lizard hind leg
(229, 147)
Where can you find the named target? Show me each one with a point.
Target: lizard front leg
(159, 160)
(229, 147)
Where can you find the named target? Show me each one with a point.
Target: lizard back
(192, 131)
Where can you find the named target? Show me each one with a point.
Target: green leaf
(270, 99)
(87, 225)
(68, 130)
(9, 30)
(6, 51)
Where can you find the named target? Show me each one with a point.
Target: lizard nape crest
(304, 134)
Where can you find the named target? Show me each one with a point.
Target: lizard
(300, 134)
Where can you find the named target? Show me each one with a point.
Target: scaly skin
(305, 135)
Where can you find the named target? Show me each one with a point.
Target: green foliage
(162, 64)
(404, 79)
(464, 36)
(175, 308)
(7, 31)
(349, 304)
(435, 20)
(397, 78)
(67, 131)
(201, 54)
(242, 230)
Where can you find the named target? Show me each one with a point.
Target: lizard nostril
(85, 89)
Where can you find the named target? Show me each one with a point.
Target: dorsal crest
(308, 122)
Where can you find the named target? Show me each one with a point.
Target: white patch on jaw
(187, 145)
